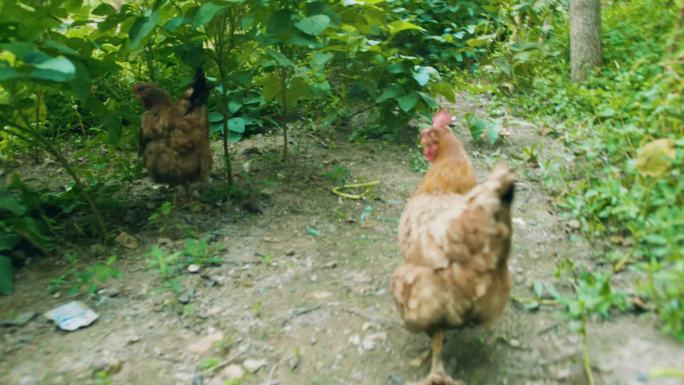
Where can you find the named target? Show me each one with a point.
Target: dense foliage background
(67, 67)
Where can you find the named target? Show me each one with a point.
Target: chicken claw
(439, 378)
(420, 360)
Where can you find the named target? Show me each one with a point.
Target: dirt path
(315, 309)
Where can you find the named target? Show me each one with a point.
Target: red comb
(441, 119)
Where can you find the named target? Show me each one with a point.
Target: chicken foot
(438, 375)
(420, 360)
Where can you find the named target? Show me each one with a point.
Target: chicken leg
(438, 376)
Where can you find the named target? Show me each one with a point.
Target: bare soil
(315, 309)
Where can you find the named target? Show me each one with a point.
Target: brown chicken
(455, 238)
(174, 137)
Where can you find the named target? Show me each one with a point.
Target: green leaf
(59, 64)
(431, 103)
(236, 125)
(655, 239)
(280, 25)
(12, 204)
(174, 23)
(8, 73)
(407, 102)
(81, 82)
(312, 231)
(475, 125)
(281, 59)
(61, 48)
(215, 117)
(480, 40)
(391, 92)
(320, 59)
(36, 57)
(234, 106)
(103, 10)
(606, 112)
(538, 289)
(321, 88)
(444, 89)
(217, 128)
(19, 49)
(142, 28)
(234, 137)
(272, 86)
(422, 74)
(6, 275)
(9, 240)
(298, 89)
(400, 25)
(190, 53)
(247, 22)
(396, 68)
(493, 132)
(58, 69)
(206, 13)
(313, 25)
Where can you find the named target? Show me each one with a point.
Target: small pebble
(187, 296)
(232, 371)
(563, 374)
(396, 379)
(293, 362)
(253, 365)
(28, 380)
(204, 345)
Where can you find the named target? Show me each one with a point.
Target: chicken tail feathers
(199, 91)
(502, 181)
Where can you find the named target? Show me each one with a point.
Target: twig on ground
(299, 312)
(380, 321)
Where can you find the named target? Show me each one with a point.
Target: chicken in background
(174, 137)
(455, 238)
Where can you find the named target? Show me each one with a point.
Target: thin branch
(54, 151)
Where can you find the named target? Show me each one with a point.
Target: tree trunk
(585, 37)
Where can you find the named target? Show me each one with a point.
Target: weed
(102, 378)
(224, 344)
(338, 175)
(85, 281)
(624, 187)
(210, 363)
(256, 308)
(170, 265)
(162, 217)
(593, 297)
(266, 259)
